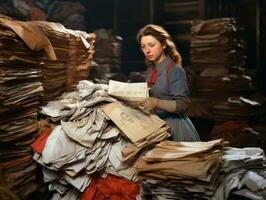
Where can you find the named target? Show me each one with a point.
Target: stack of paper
(80, 55)
(74, 51)
(243, 174)
(20, 89)
(54, 71)
(218, 57)
(108, 51)
(216, 43)
(85, 143)
(238, 108)
(180, 170)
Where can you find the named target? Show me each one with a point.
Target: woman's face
(152, 49)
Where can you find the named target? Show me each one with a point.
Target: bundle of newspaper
(80, 55)
(74, 51)
(180, 170)
(53, 71)
(20, 90)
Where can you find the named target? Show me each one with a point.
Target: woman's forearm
(172, 106)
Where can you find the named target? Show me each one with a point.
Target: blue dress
(171, 84)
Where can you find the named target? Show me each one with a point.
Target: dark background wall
(126, 17)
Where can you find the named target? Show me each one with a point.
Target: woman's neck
(160, 59)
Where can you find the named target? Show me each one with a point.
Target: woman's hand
(149, 104)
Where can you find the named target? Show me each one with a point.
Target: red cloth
(111, 188)
(38, 144)
(153, 76)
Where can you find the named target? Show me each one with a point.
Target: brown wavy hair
(164, 38)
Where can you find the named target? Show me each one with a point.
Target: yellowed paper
(128, 91)
(135, 124)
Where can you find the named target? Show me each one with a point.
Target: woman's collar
(161, 66)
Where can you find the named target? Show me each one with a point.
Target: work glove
(148, 104)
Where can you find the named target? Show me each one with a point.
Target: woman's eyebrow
(148, 43)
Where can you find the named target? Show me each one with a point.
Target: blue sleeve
(178, 87)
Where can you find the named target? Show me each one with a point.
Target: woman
(167, 81)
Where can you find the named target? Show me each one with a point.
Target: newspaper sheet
(131, 92)
(136, 125)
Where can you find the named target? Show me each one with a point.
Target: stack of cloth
(180, 170)
(20, 90)
(84, 150)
